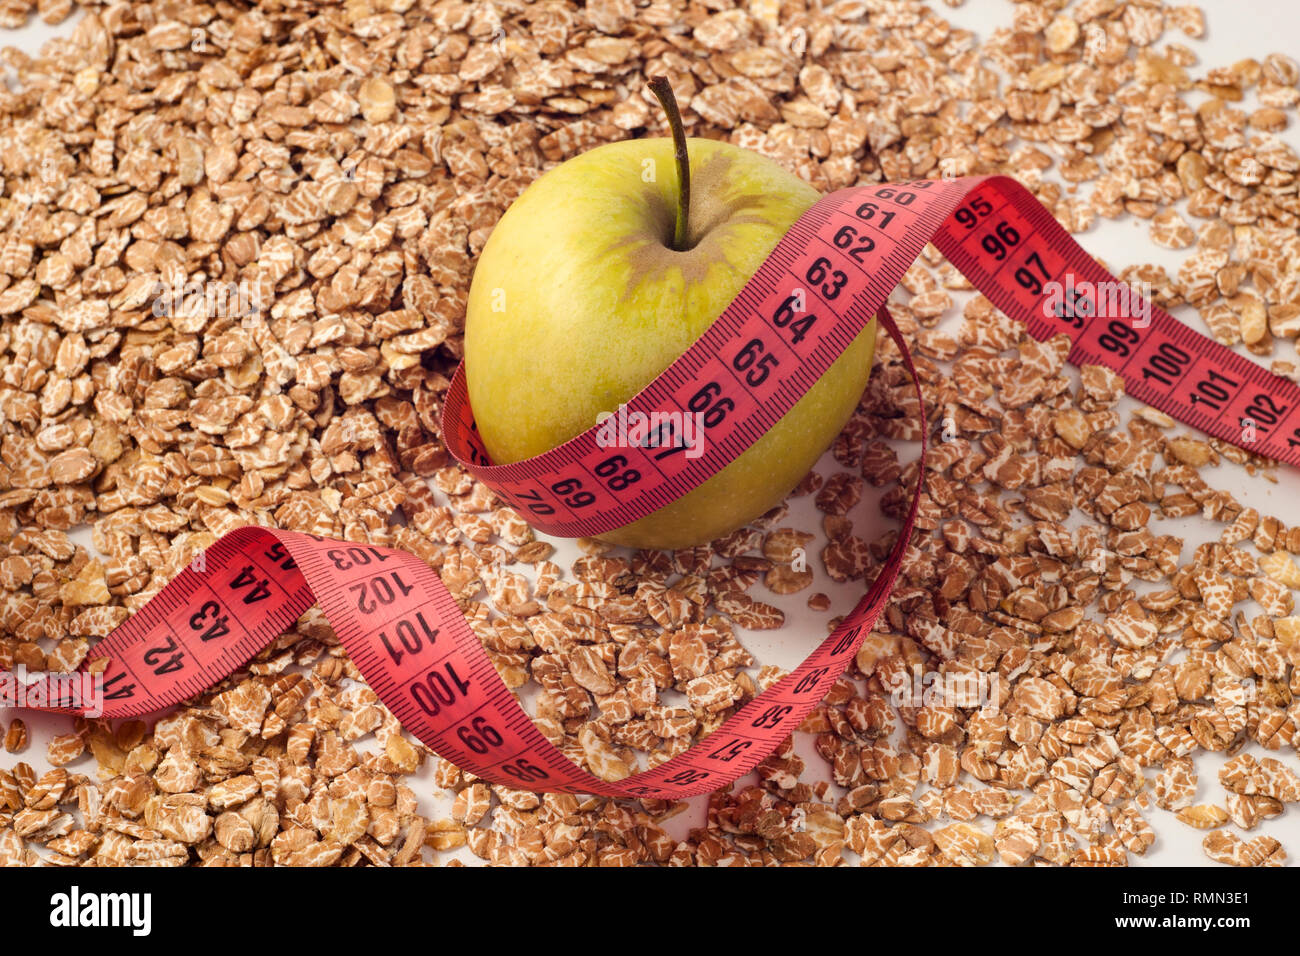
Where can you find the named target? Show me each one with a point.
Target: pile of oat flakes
(347, 162)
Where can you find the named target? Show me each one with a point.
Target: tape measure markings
(404, 631)
(1159, 361)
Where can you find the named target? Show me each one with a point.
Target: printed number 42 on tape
(838, 263)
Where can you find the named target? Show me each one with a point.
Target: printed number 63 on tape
(820, 287)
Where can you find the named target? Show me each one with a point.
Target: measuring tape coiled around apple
(820, 287)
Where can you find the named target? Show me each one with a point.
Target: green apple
(580, 298)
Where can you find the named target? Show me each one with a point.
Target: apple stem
(663, 91)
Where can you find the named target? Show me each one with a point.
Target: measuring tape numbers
(823, 283)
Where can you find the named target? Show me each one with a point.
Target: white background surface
(1236, 29)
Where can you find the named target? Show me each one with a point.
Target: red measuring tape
(819, 288)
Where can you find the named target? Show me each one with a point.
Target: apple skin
(578, 302)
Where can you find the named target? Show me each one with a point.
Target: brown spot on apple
(719, 205)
